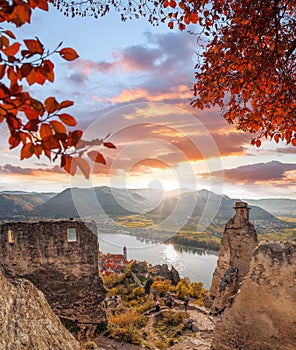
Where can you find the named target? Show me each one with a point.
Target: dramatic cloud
(9, 169)
(270, 172)
(161, 55)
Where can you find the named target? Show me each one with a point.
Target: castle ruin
(237, 246)
(60, 257)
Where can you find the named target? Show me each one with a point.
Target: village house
(113, 263)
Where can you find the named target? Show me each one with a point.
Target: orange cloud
(139, 93)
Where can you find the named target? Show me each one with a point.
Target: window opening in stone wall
(71, 232)
(10, 236)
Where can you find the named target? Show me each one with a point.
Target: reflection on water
(197, 264)
(193, 251)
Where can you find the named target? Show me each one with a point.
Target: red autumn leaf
(66, 103)
(12, 49)
(42, 4)
(194, 18)
(4, 41)
(68, 164)
(74, 137)
(45, 131)
(258, 143)
(83, 165)
(31, 114)
(31, 77)
(68, 119)
(50, 143)
(4, 91)
(182, 26)
(21, 14)
(96, 157)
(27, 151)
(58, 127)
(15, 89)
(14, 140)
(32, 125)
(109, 145)
(38, 151)
(40, 78)
(48, 67)
(51, 104)
(34, 46)
(293, 141)
(2, 70)
(9, 33)
(68, 54)
(171, 25)
(47, 153)
(26, 69)
(11, 74)
(24, 137)
(173, 3)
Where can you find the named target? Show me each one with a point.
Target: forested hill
(277, 206)
(19, 205)
(77, 202)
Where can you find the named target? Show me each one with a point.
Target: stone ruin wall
(65, 271)
(237, 246)
(262, 316)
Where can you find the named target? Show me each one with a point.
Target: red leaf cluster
(40, 128)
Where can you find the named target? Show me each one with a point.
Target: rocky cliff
(237, 246)
(263, 315)
(27, 321)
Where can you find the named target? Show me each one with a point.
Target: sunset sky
(133, 80)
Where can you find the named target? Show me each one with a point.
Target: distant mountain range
(92, 202)
(276, 206)
(20, 204)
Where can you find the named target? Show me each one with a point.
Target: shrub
(127, 334)
(90, 345)
(138, 292)
(161, 286)
(128, 318)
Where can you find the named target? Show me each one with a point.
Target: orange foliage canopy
(39, 127)
(245, 55)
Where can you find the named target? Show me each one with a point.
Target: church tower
(125, 252)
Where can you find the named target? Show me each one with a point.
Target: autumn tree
(245, 55)
(39, 127)
(183, 288)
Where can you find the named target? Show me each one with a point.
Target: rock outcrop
(27, 321)
(164, 272)
(237, 246)
(263, 315)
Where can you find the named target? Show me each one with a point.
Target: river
(197, 264)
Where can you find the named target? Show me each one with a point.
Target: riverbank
(197, 264)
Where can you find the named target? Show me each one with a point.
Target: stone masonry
(237, 245)
(60, 258)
